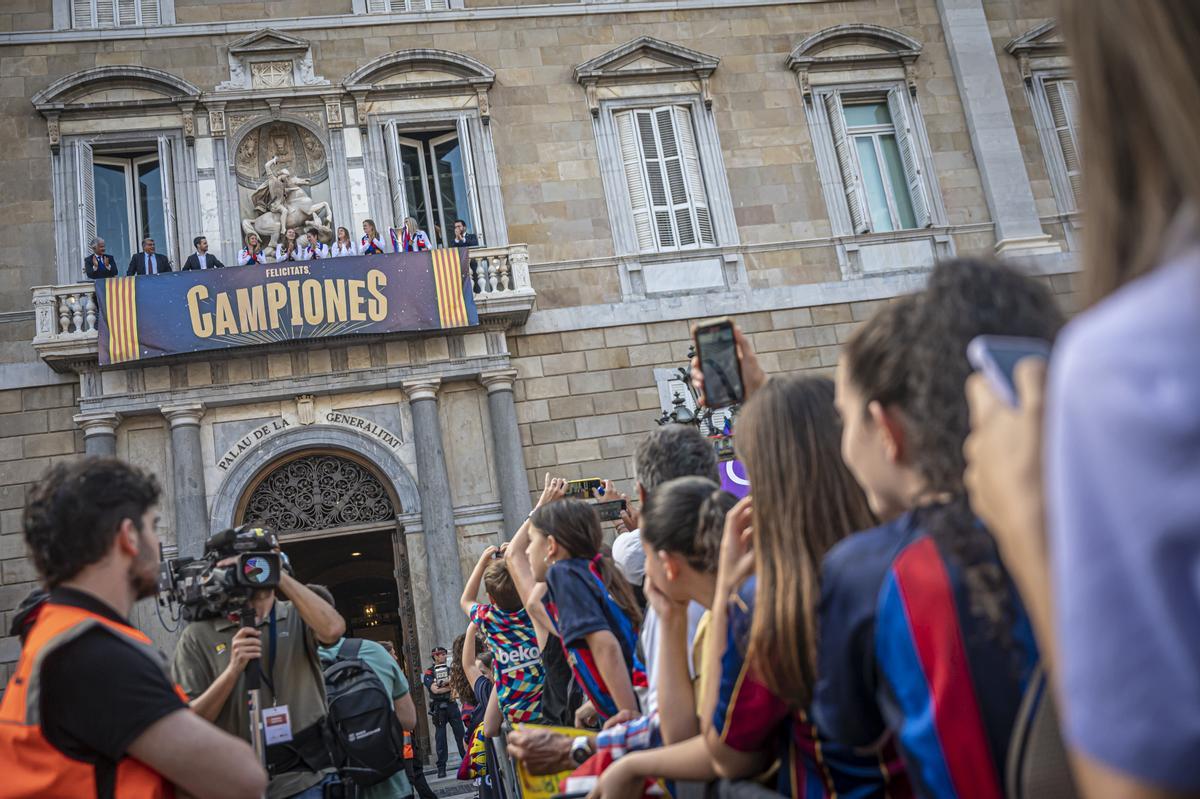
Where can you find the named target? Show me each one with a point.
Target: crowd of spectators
(296, 244)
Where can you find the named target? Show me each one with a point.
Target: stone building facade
(630, 168)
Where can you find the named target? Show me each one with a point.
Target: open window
(873, 155)
(125, 194)
(128, 181)
(431, 174)
(1054, 99)
(427, 144)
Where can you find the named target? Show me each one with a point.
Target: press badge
(277, 725)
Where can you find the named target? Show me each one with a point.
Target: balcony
(66, 326)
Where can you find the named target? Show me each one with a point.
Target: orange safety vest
(32, 766)
(408, 746)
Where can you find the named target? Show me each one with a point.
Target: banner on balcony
(151, 316)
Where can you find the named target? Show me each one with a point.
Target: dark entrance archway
(337, 518)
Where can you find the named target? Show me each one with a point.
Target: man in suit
(461, 237)
(147, 262)
(200, 259)
(98, 265)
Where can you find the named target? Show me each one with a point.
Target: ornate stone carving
(333, 112)
(270, 60)
(237, 120)
(305, 411)
(53, 132)
(271, 74)
(289, 145)
(276, 161)
(216, 121)
(318, 492)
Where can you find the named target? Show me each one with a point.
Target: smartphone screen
(610, 511)
(997, 358)
(719, 363)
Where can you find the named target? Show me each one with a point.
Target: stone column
(507, 452)
(191, 504)
(437, 511)
(993, 134)
(99, 432)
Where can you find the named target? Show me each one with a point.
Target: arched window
(319, 491)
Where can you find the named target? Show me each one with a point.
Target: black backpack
(368, 739)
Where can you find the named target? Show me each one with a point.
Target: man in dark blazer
(200, 259)
(98, 266)
(461, 237)
(147, 262)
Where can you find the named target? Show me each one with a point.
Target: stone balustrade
(65, 317)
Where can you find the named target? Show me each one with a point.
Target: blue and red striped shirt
(901, 650)
(579, 604)
(750, 718)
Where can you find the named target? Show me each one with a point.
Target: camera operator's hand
(247, 646)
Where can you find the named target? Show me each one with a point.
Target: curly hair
(912, 355)
(74, 512)
(459, 687)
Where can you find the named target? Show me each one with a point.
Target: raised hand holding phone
(996, 357)
(750, 373)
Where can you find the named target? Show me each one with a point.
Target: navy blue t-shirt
(902, 648)
(579, 604)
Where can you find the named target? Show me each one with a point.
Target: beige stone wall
(587, 397)
(26, 15)
(191, 11)
(36, 431)
(543, 133)
(1007, 21)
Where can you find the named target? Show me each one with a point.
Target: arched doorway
(337, 519)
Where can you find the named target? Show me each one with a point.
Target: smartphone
(611, 511)
(719, 363)
(587, 488)
(997, 358)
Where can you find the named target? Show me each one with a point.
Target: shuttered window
(402, 6)
(1063, 100)
(878, 161)
(663, 175)
(114, 13)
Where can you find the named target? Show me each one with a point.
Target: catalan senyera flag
(156, 315)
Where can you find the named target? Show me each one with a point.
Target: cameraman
(211, 659)
(443, 708)
(90, 710)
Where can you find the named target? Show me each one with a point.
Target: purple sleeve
(1123, 509)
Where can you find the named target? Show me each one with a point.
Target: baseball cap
(629, 556)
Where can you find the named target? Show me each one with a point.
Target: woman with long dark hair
(589, 602)
(922, 631)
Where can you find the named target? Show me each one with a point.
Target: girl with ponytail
(590, 604)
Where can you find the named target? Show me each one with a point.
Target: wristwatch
(581, 749)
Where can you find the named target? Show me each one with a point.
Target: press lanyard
(269, 672)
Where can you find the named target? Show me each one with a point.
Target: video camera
(205, 590)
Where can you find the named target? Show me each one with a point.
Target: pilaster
(191, 506)
(508, 455)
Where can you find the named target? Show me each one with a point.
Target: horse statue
(282, 203)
